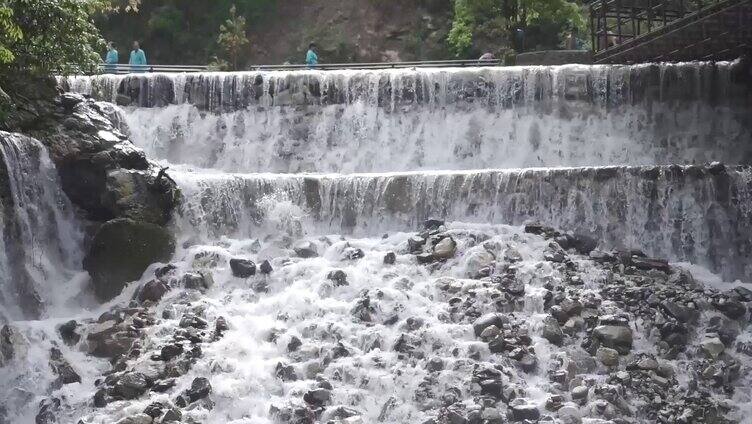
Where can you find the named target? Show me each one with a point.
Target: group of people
(137, 60)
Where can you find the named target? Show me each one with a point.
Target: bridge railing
(127, 69)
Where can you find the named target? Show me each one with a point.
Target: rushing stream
(357, 309)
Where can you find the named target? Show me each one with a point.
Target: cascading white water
(684, 213)
(354, 121)
(427, 119)
(387, 149)
(41, 246)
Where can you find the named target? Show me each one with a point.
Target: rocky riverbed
(455, 323)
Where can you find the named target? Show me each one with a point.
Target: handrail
(383, 65)
(125, 68)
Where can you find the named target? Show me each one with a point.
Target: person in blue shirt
(138, 59)
(312, 59)
(111, 59)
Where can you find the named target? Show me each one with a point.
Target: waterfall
(688, 213)
(41, 244)
(308, 287)
(427, 119)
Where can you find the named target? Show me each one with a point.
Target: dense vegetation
(188, 31)
(41, 36)
(181, 31)
(541, 22)
(48, 35)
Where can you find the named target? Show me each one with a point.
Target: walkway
(635, 31)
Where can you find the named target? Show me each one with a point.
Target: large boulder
(139, 195)
(615, 337)
(130, 386)
(242, 268)
(120, 252)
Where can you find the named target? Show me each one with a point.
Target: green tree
(9, 33)
(232, 37)
(44, 36)
(499, 18)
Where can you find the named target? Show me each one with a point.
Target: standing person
(312, 59)
(519, 37)
(138, 59)
(111, 59)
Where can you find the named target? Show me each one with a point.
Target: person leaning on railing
(111, 60)
(312, 59)
(138, 59)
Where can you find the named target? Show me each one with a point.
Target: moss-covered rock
(120, 252)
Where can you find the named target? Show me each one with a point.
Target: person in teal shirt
(111, 59)
(138, 59)
(312, 59)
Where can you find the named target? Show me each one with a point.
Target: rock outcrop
(127, 199)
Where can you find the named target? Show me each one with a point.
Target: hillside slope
(280, 31)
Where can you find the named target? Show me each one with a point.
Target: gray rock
(607, 356)
(338, 277)
(136, 419)
(190, 320)
(730, 307)
(109, 339)
(525, 412)
(306, 249)
(425, 258)
(488, 320)
(120, 252)
(614, 336)
(130, 386)
(201, 280)
(647, 364)
(415, 244)
(266, 267)
(339, 412)
(353, 253)
(242, 268)
(445, 249)
(580, 392)
(476, 260)
(712, 346)
(152, 291)
(433, 223)
(551, 330)
(138, 195)
(681, 313)
(163, 385)
(60, 366)
(435, 364)
(317, 397)
(650, 263)
(573, 325)
(47, 409)
(171, 351)
(68, 333)
(390, 258)
(200, 389)
(490, 332)
(569, 414)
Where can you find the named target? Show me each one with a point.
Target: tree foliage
(181, 31)
(232, 37)
(499, 18)
(42, 36)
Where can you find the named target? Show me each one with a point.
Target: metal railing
(382, 65)
(128, 69)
